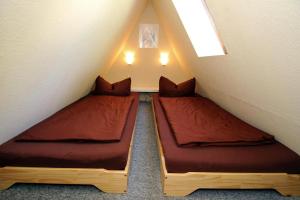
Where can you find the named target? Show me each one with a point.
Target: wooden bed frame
(111, 181)
(182, 184)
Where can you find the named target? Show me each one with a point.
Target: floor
(144, 179)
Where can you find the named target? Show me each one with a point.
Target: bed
(103, 162)
(185, 169)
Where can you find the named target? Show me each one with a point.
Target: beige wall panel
(51, 52)
(146, 69)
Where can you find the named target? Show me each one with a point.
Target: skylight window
(200, 27)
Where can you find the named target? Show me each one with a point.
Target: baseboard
(144, 89)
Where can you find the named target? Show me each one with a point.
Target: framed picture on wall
(148, 35)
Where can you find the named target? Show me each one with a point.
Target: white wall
(51, 52)
(146, 70)
(259, 79)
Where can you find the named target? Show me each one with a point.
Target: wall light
(164, 58)
(129, 57)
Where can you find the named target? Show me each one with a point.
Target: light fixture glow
(129, 57)
(164, 58)
(200, 27)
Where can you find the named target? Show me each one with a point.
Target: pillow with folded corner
(168, 88)
(121, 88)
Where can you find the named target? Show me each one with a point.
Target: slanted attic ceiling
(51, 52)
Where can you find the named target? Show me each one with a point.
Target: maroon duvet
(197, 120)
(80, 154)
(93, 118)
(273, 157)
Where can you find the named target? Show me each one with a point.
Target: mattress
(107, 155)
(267, 158)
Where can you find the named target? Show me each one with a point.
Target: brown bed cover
(273, 157)
(72, 154)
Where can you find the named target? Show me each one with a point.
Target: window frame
(213, 26)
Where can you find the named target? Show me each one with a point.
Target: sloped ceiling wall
(51, 52)
(146, 69)
(258, 80)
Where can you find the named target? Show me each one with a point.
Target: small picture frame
(148, 35)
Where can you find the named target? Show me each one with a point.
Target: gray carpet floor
(144, 179)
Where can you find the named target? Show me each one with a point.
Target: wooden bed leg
(115, 189)
(5, 184)
(289, 191)
(178, 192)
(117, 185)
(172, 187)
(291, 187)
